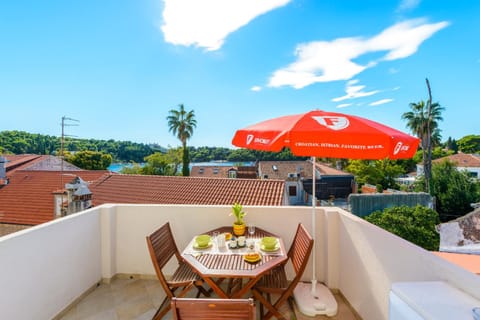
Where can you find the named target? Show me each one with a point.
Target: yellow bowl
(202, 240)
(269, 242)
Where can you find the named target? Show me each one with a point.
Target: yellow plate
(252, 259)
(277, 246)
(196, 246)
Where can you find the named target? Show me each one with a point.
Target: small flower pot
(239, 229)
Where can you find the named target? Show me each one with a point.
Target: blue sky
(119, 66)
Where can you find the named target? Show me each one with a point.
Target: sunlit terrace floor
(138, 299)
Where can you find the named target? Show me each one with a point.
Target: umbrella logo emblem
(249, 139)
(398, 147)
(333, 122)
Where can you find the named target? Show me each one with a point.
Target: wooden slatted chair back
(300, 250)
(162, 248)
(276, 281)
(208, 309)
(162, 245)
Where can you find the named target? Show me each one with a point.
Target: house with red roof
(463, 162)
(32, 194)
(120, 188)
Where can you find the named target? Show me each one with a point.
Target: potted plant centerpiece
(239, 223)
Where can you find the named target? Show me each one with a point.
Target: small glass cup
(251, 244)
(251, 229)
(215, 235)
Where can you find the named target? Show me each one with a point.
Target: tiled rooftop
(36, 162)
(118, 188)
(464, 160)
(470, 262)
(27, 199)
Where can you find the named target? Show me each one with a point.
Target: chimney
(3, 171)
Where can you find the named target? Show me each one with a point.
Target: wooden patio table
(214, 264)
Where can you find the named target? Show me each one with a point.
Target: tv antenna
(65, 123)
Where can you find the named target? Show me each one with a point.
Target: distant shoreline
(118, 166)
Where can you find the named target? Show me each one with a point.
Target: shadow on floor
(138, 299)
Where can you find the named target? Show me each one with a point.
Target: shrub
(416, 224)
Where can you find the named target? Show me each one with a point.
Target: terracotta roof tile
(36, 162)
(28, 198)
(118, 188)
(471, 262)
(464, 160)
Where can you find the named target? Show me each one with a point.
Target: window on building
(292, 191)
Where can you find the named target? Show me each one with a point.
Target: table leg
(216, 288)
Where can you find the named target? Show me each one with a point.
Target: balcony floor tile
(138, 299)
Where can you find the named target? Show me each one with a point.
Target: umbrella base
(322, 302)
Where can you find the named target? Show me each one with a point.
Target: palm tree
(424, 124)
(181, 123)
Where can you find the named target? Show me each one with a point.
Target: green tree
(90, 160)
(157, 164)
(469, 144)
(454, 190)
(134, 169)
(452, 145)
(416, 225)
(376, 172)
(181, 123)
(424, 124)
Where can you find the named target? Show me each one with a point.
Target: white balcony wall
(133, 223)
(371, 259)
(45, 268)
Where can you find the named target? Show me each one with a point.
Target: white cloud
(256, 88)
(207, 23)
(344, 105)
(324, 61)
(354, 91)
(379, 102)
(408, 5)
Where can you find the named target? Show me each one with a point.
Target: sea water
(117, 167)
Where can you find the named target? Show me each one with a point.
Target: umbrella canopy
(328, 135)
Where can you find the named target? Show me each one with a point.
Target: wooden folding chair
(208, 309)
(276, 281)
(162, 248)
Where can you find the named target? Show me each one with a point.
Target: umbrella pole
(314, 203)
(314, 299)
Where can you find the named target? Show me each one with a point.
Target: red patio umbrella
(328, 135)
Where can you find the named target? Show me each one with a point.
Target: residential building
(119, 188)
(463, 161)
(461, 235)
(35, 195)
(219, 171)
